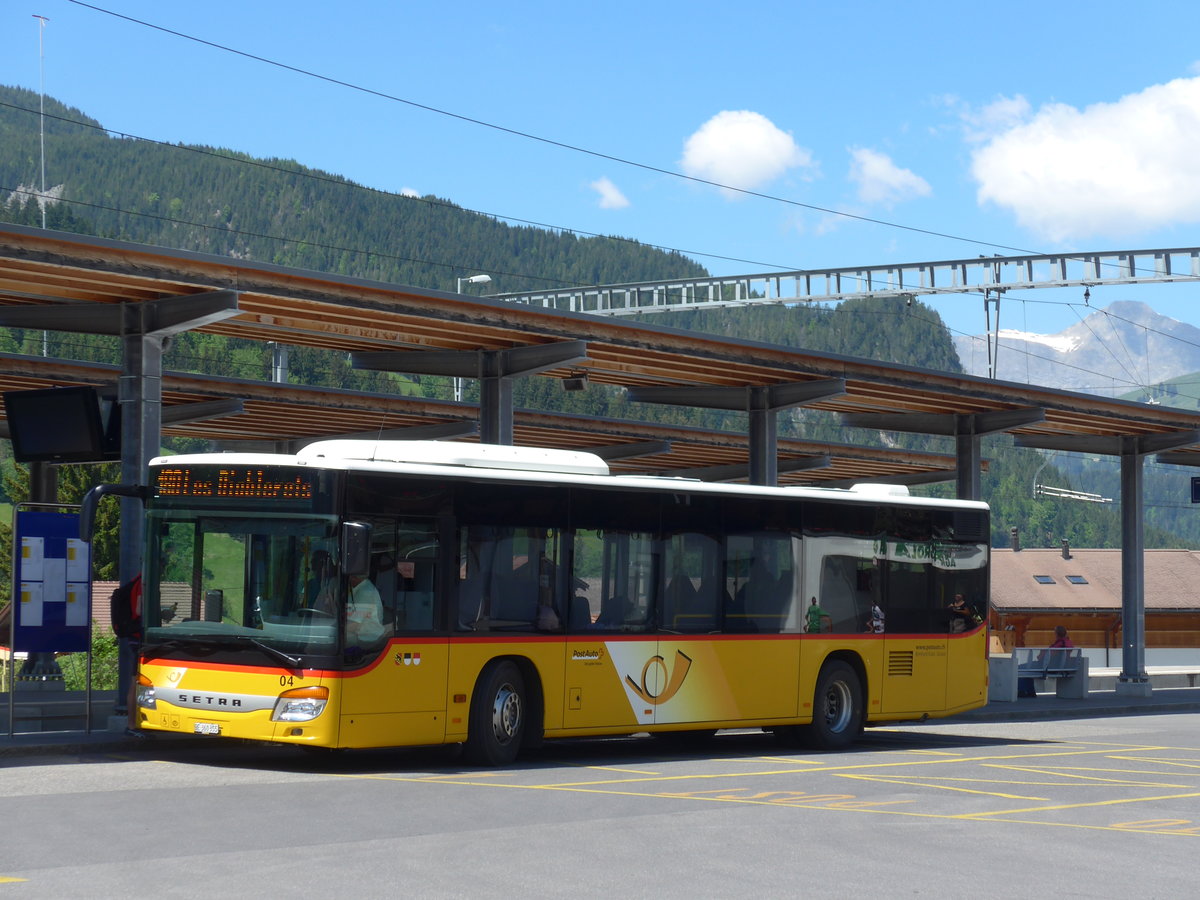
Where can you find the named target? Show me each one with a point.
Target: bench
(1066, 666)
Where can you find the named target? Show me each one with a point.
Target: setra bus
(386, 593)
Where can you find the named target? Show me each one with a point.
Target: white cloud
(409, 192)
(741, 149)
(610, 195)
(880, 180)
(995, 118)
(1110, 170)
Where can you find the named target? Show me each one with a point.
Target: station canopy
(302, 308)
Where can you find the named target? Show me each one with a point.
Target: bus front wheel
(497, 720)
(837, 707)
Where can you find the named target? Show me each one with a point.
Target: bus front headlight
(146, 698)
(300, 704)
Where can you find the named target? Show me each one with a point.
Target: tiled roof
(1172, 580)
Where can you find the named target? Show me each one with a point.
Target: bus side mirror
(356, 548)
(87, 508)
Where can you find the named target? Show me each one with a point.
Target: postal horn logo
(673, 679)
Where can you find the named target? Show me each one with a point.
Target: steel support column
(764, 438)
(761, 403)
(495, 400)
(968, 460)
(1133, 678)
(495, 370)
(966, 428)
(142, 328)
(1130, 448)
(139, 394)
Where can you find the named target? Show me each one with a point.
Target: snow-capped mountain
(1113, 351)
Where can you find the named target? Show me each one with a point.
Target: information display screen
(261, 484)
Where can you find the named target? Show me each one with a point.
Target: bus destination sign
(234, 483)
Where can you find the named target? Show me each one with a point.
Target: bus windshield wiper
(211, 642)
(292, 661)
(190, 644)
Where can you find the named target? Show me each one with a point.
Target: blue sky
(1048, 126)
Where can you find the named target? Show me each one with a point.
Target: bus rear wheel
(497, 720)
(837, 708)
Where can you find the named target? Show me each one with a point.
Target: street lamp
(473, 279)
(470, 279)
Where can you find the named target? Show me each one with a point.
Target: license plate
(206, 728)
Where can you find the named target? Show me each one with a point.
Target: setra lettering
(201, 700)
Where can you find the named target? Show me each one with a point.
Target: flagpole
(42, 20)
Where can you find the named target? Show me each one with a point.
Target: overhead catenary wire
(299, 70)
(545, 140)
(472, 120)
(457, 265)
(344, 182)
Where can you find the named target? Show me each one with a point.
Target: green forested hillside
(278, 211)
(219, 201)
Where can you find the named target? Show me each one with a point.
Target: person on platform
(813, 615)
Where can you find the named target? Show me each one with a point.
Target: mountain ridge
(1123, 347)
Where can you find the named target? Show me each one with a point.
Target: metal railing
(990, 274)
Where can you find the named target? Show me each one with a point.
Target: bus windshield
(258, 582)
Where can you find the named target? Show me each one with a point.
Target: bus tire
(497, 720)
(837, 707)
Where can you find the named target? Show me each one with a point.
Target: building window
(1043, 579)
(1077, 579)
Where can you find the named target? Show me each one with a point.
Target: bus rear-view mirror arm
(87, 510)
(356, 548)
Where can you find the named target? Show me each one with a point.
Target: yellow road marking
(1093, 805)
(823, 802)
(5, 879)
(884, 773)
(1090, 779)
(1164, 761)
(935, 752)
(941, 787)
(620, 769)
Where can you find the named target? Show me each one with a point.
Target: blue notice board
(52, 584)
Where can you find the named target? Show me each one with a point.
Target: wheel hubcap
(506, 714)
(838, 707)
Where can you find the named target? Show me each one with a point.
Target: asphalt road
(1103, 807)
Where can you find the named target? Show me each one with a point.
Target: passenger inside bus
(364, 613)
(759, 603)
(690, 595)
(962, 617)
(384, 575)
(320, 593)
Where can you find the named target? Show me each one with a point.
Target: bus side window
(693, 584)
(404, 570)
(847, 592)
(759, 579)
(612, 579)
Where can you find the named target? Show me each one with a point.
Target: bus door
(723, 607)
(914, 672)
(395, 684)
(758, 652)
(843, 574)
(610, 640)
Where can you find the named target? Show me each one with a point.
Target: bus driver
(364, 613)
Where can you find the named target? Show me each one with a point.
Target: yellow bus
(374, 594)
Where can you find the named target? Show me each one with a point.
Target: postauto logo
(655, 672)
